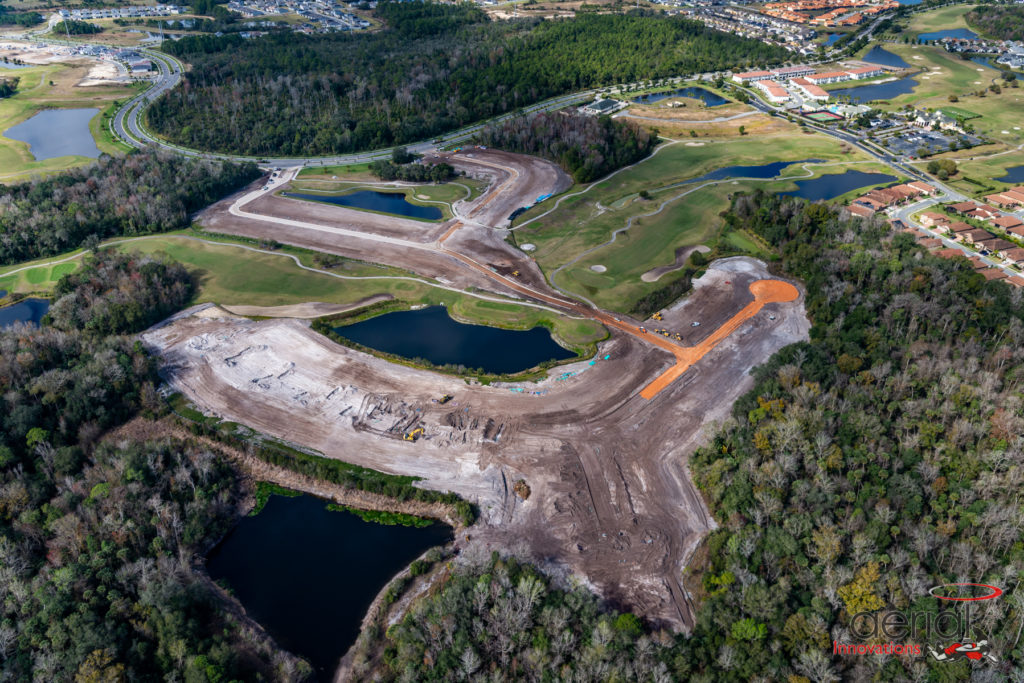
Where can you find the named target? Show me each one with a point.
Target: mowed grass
(54, 86)
(40, 279)
(947, 74)
(937, 20)
(230, 275)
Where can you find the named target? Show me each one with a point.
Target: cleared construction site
(601, 444)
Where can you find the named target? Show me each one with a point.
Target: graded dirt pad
(312, 309)
(610, 495)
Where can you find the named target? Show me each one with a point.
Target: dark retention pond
(878, 91)
(878, 55)
(769, 170)
(57, 133)
(1014, 174)
(308, 574)
(25, 311)
(964, 33)
(431, 334)
(704, 95)
(372, 200)
(832, 185)
(832, 38)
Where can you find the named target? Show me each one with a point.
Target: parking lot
(911, 142)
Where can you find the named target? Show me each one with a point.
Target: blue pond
(431, 334)
(25, 311)
(947, 33)
(1014, 174)
(878, 55)
(372, 200)
(762, 171)
(832, 38)
(877, 91)
(12, 65)
(706, 96)
(910, 2)
(57, 133)
(984, 61)
(308, 574)
(832, 185)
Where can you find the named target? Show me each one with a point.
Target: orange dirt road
(764, 291)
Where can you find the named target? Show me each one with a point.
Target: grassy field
(47, 87)
(937, 20)
(36, 277)
(583, 221)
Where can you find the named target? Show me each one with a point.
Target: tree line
(8, 86)
(434, 68)
(145, 192)
(586, 147)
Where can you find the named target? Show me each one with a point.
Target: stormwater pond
(1014, 174)
(878, 55)
(373, 200)
(877, 91)
(761, 171)
(308, 574)
(431, 334)
(25, 311)
(835, 184)
(709, 98)
(57, 133)
(962, 33)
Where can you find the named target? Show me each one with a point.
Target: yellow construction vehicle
(444, 399)
(657, 316)
(414, 434)
(515, 273)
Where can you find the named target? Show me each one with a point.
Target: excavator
(444, 399)
(414, 435)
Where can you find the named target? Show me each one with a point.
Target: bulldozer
(444, 399)
(414, 435)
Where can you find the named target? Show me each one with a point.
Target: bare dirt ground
(610, 495)
(312, 309)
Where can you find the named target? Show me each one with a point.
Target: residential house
(930, 219)
(993, 274)
(1007, 222)
(974, 236)
(748, 76)
(809, 90)
(772, 90)
(866, 72)
(828, 77)
(996, 246)
(1015, 256)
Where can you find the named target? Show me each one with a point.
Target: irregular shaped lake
(877, 91)
(832, 185)
(832, 38)
(372, 200)
(25, 311)
(431, 334)
(57, 133)
(1014, 174)
(882, 56)
(308, 575)
(963, 33)
(704, 95)
(765, 171)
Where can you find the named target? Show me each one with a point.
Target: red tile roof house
(860, 210)
(949, 253)
(962, 207)
(958, 231)
(996, 246)
(977, 263)
(1016, 193)
(923, 188)
(930, 242)
(930, 218)
(993, 274)
(1006, 222)
(1015, 255)
(977, 235)
(1002, 201)
(873, 203)
(1016, 280)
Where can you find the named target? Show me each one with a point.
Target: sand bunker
(598, 268)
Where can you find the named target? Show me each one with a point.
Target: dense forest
(434, 69)
(25, 19)
(880, 459)
(1002, 22)
(96, 538)
(586, 147)
(145, 192)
